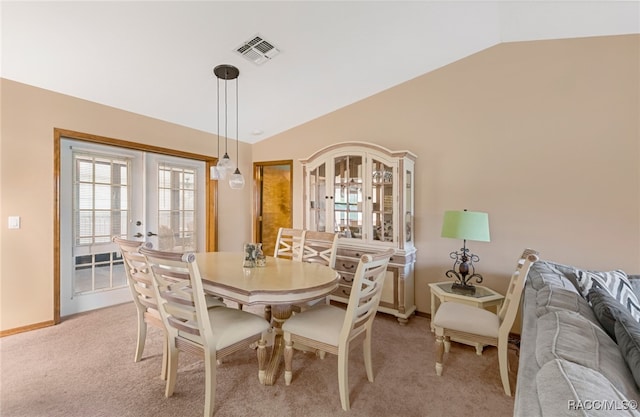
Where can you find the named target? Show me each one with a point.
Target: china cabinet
(365, 192)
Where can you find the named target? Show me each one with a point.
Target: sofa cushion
(627, 332)
(606, 309)
(568, 389)
(555, 299)
(569, 336)
(545, 273)
(614, 282)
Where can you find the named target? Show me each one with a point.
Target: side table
(483, 298)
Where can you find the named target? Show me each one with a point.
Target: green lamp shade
(467, 225)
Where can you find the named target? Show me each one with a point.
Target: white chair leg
(439, 350)
(288, 358)
(142, 336)
(172, 371)
(165, 355)
(343, 377)
(262, 359)
(504, 366)
(368, 366)
(210, 370)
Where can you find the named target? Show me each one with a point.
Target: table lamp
(465, 225)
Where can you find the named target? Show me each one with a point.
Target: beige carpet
(84, 367)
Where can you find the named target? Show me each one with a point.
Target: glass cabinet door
(347, 197)
(382, 202)
(318, 199)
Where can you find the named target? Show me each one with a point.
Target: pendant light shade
(225, 165)
(236, 181)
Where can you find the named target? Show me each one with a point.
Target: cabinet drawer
(347, 266)
(342, 292)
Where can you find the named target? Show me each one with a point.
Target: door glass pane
(348, 194)
(176, 208)
(100, 211)
(382, 202)
(317, 199)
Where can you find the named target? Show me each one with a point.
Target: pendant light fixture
(225, 72)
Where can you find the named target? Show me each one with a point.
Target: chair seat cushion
(322, 323)
(231, 325)
(466, 318)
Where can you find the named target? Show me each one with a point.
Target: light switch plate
(14, 222)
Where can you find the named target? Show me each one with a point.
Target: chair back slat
(320, 247)
(507, 313)
(289, 244)
(366, 291)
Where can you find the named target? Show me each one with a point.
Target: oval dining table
(280, 284)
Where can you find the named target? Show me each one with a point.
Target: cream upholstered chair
(289, 244)
(144, 298)
(318, 247)
(192, 327)
(332, 329)
(478, 325)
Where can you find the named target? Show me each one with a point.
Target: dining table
(280, 284)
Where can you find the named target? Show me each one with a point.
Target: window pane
(85, 171)
(103, 197)
(102, 223)
(103, 172)
(85, 196)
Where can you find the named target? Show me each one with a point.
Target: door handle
(138, 235)
(151, 234)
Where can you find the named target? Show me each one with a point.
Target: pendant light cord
(237, 129)
(218, 114)
(226, 136)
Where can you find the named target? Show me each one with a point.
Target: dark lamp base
(463, 289)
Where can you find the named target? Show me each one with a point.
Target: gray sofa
(570, 364)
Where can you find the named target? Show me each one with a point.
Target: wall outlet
(14, 222)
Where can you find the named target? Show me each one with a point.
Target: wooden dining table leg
(279, 314)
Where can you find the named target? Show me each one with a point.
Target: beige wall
(544, 136)
(29, 116)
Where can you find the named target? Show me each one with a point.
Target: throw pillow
(615, 283)
(606, 309)
(628, 335)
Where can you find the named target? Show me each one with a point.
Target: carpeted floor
(84, 367)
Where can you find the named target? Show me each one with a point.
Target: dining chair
(192, 327)
(318, 247)
(289, 244)
(331, 329)
(144, 298)
(468, 323)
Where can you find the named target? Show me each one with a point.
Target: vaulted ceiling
(156, 58)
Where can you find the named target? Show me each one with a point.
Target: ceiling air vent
(257, 50)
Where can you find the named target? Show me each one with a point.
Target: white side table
(483, 298)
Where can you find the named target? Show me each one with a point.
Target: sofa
(580, 343)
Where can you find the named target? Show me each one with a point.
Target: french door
(107, 191)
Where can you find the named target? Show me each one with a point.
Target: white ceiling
(156, 58)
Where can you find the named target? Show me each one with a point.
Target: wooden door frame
(211, 193)
(257, 195)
